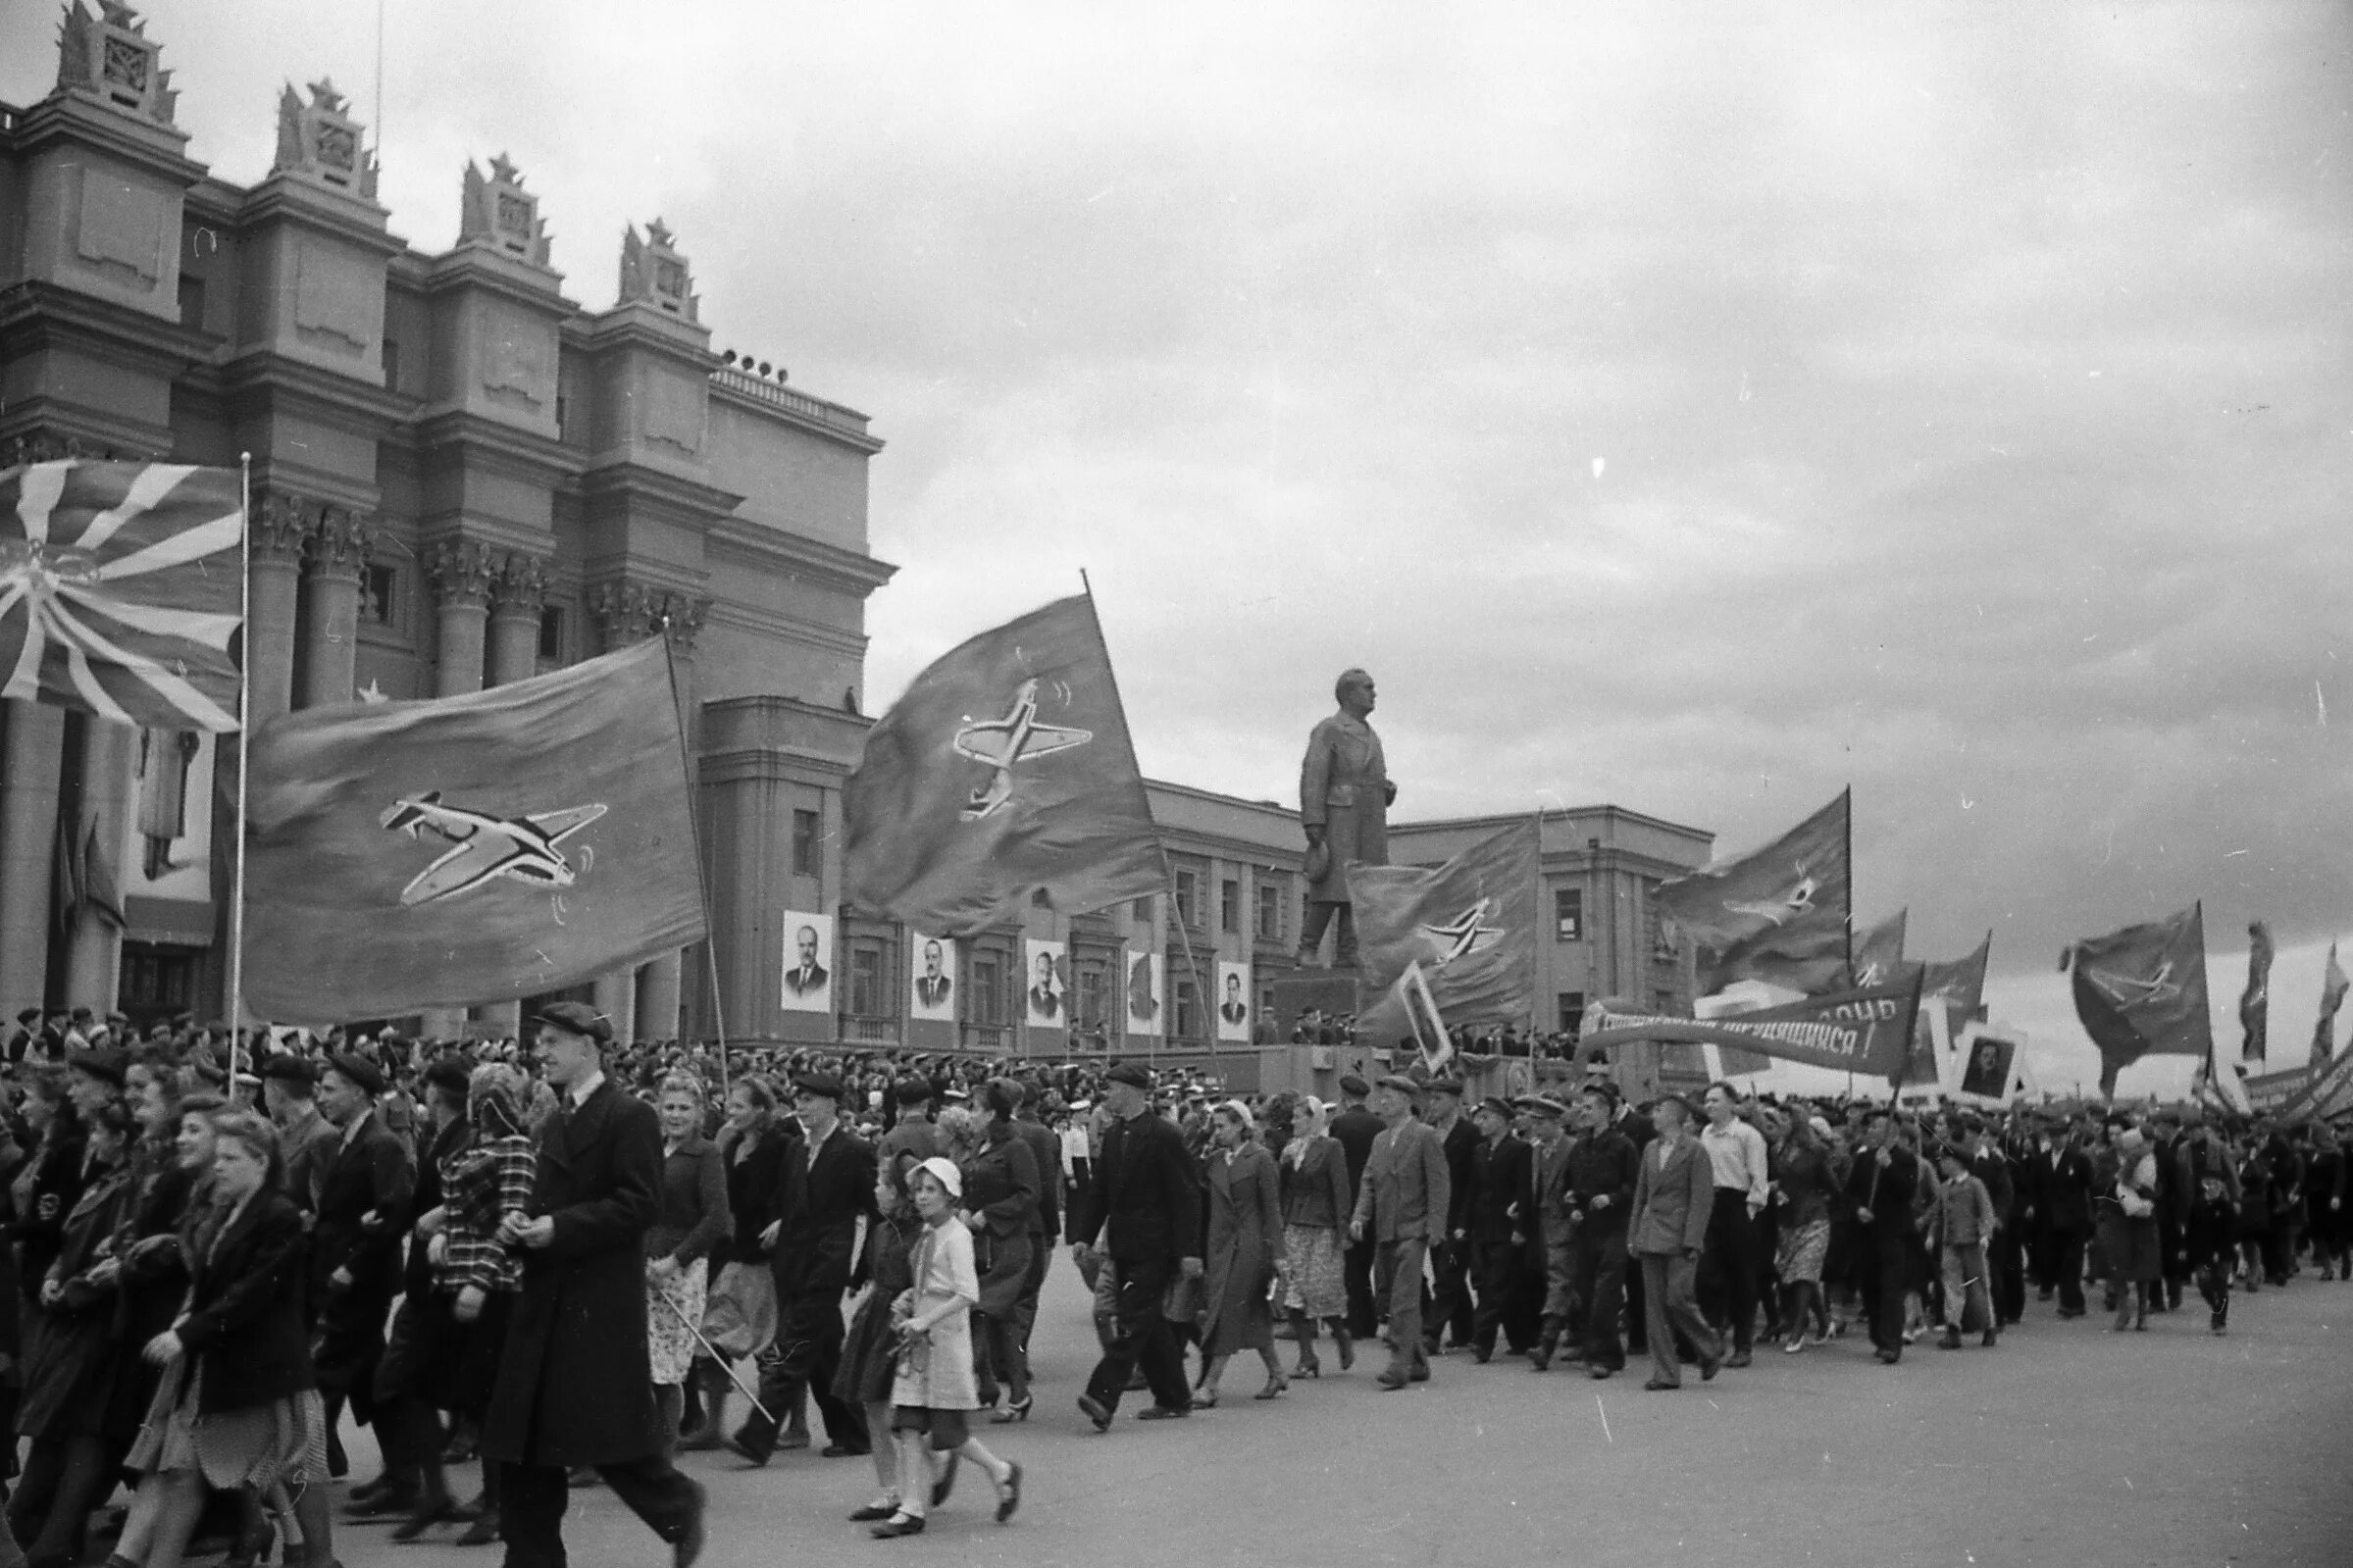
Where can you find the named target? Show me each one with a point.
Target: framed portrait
(1147, 993)
(931, 978)
(1046, 984)
(808, 956)
(1234, 1002)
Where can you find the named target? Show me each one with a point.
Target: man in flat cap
(1354, 1129)
(1142, 1215)
(575, 1386)
(307, 1140)
(365, 1192)
(914, 1137)
(827, 1187)
(1604, 1167)
(1402, 1204)
(1451, 1307)
(1499, 1181)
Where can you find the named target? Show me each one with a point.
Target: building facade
(459, 477)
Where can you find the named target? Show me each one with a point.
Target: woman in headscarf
(1244, 1256)
(2129, 1228)
(1802, 1184)
(693, 1220)
(1313, 1173)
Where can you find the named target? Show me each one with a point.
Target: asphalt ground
(2065, 1445)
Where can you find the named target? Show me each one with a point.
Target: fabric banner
(1879, 951)
(1470, 924)
(2328, 1090)
(2141, 991)
(1004, 772)
(1855, 1032)
(121, 586)
(483, 849)
(2255, 1002)
(1958, 985)
(1778, 914)
(2333, 998)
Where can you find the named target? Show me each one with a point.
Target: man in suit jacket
(1402, 1204)
(932, 987)
(1143, 1212)
(824, 1194)
(575, 1386)
(1674, 1198)
(1604, 1169)
(1451, 1306)
(1355, 1129)
(1881, 1187)
(365, 1183)
(807, 978)
(1499, 1181)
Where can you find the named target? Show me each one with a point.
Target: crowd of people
(577, 1259)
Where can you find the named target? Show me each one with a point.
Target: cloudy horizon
(1679, 406)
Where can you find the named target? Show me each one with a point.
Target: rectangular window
(191, 301)
(1094, 986)
(1188, 900)
(867, 989)
(1271, 911)
(1568, 914)
(1662, 1002)
(805, 844)
(552, 634)
(1142, 910)
(1188, 1012)
(1573, 1013)
(391, 357)
(1229, 905)
(986, 998)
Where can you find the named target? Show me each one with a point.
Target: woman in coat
(695, 1219)
(2129, 1228)
(238, 1403)
(1803, 1187)
(740, 1315)
(1244, 1255)
(1313, 1173)
(1002, 1185)
(69, 1358)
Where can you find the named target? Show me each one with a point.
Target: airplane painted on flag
(1464, 935)
(2128, 992)
(1799, 900)
(1001, 744)
(485, 847)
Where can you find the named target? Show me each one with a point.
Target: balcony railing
(816, 410)
(870, 1030)
(981, 1036)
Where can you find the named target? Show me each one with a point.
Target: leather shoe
(847, 1450)
(483, 1532)
(745, 1451)
(1597, 1373)
(1738, 1360)
(688, 1546)
(1890, 1357)
(1390, 1382)
(1661, 1386)
(1710, 1368)
(872, 1512)
(947, 1478)
(1096, 1411)
(1163, 1412)
(898, 1525)
(1420, 1374)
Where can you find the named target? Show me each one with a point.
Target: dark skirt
(2129, 1248)
(947, 1427)
(869, 1355)
(69, 1360)
(1005, 1275)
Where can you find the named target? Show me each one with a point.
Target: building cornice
(616, 476)
(836, 422)
(283, 199)
(540, 458)
(72, 118)
(47, 311)
(775, 624)
(480, 268)
(1605, 813)
(811, 559)
(267, 378)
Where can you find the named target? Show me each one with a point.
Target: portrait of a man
(1233, 1009)
(932, 987)
(1046, 988)
(808, 982)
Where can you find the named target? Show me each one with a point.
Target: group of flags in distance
(524, 840)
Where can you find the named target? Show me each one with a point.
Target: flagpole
(702, 886)
(1167, 870)
(236, 874)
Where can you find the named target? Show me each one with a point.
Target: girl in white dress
(936, 1389)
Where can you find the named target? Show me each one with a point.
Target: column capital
(280, 525)
(626, 612)
(464, 573)
(338, 544)
(519, 590)
(681, 617)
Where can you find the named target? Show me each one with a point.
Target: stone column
(518, 593)
(94, 960)
(518, 597)
(617, 1001)
(462, 573)
(277, 529)
(336, 557)
(29, 771)
(658, 997)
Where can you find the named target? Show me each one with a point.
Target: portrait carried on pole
(1344, 798)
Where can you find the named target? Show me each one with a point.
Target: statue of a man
(1343, 801)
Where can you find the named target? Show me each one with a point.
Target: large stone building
(462, 478)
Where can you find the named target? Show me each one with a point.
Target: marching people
(1737, 1161)
(2128, 1237)
(1452, 1313)
(1404, 1198)
(755, 1146)
(1354, 1129)
(1499, 1177)
(1965, 1224)
(1546, 1221)
(1244, 1255)
(870, 1351)
(1000, 1189)
(1144, 1221)
(1046, 1221)
(1882, 1190)
(1804, 1184)
(363, 1212)
(1312, 1175)
(2209, 1182)
(695, 1218)
(1597, 1186)
(574, 1385)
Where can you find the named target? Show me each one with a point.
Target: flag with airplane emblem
(2141, 991)
(480, 848)
(1778, 914)
(1470, 924)
(120, 585)
(1002, 776)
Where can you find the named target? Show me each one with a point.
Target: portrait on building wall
(1232, 1001)
(808, 962)
(1049, 986)
(931, 978)
(1147, 989)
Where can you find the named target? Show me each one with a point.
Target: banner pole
(702, 885)
(237, 872)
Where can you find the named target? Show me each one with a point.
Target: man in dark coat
(1355, 1129)
(365, 1186)
(1046, 1219)
(1144, 1211)
(1498, 1180)
(1451, 1307)
(1879, 1189)
(575, 1386)
(827, 1189)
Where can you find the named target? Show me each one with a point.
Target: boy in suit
(1673, 1198)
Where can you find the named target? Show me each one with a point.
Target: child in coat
(1965, 1224)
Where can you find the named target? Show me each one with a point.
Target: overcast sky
(1699, 408)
